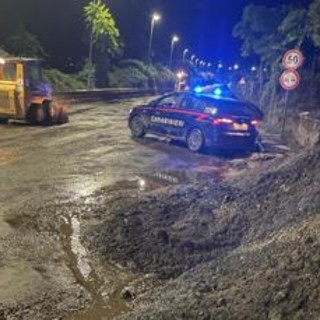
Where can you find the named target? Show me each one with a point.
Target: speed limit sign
(290, 79)
(293, 59)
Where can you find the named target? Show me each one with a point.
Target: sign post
(290, 78)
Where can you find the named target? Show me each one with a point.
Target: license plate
(240, 127)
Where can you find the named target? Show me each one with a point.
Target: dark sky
(205, 26)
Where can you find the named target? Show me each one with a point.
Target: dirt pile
(274, 279)
(253, 246)
(170, 233)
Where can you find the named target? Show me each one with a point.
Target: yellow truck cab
(25, 96)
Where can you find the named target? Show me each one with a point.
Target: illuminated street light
(253, 69)
(174, 40)
(192, 57)
(220, 65)
(236, 67)
(185, 51)
(2, 61)
(155, 18)
(196, 61)
(181, 75)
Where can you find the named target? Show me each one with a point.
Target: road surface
(40, 166)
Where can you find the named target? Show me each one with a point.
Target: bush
(137, 74)
(62, 82)
(129, 77)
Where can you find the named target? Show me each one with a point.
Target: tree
(295, 28)
(101, 25)
(23, 43)
(314, 16)
(258, 30)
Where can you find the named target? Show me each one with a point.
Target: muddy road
(49, 175)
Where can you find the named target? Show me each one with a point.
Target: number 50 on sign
(293, 59)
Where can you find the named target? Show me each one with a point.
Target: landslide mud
(274, 272)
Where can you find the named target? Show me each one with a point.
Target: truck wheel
(137, 127)
(35, 115)
(49, 114)
(195, 140)
(63, 117)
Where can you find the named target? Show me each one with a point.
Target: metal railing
(106, 94)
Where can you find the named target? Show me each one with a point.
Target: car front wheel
(137, 127)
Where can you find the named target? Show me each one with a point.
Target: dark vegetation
(267, 33)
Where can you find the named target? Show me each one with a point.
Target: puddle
(105, 294)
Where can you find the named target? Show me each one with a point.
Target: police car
(205, 117)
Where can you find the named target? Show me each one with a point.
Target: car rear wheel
(137, 127)
(195, 140)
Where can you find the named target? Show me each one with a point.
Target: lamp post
(185, 51)
(253, 69)
(155, 18)
(174, 40)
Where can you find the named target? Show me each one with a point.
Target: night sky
(205, 26)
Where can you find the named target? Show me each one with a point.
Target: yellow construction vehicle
(25, 96)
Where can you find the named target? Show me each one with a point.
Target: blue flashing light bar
(217, 92)
(198, 89)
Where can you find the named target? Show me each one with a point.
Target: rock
(280, 296)
(221, 302)
(204, 288)
(128, 293)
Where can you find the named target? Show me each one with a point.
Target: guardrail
(105, 94)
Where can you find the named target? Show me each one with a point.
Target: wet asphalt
(95, 149)
(44, 165)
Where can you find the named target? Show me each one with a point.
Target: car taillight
(220, 121)
(255, 123)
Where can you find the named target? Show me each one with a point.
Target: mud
(86, 212)
(274, 272)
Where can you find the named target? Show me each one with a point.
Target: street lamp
(155, 18)
(185, 51)
(174, 40)
(236, 67)
(220, 65)
(192, 57)
(253, 69)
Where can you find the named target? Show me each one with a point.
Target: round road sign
(293, 59)
(290, 79)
